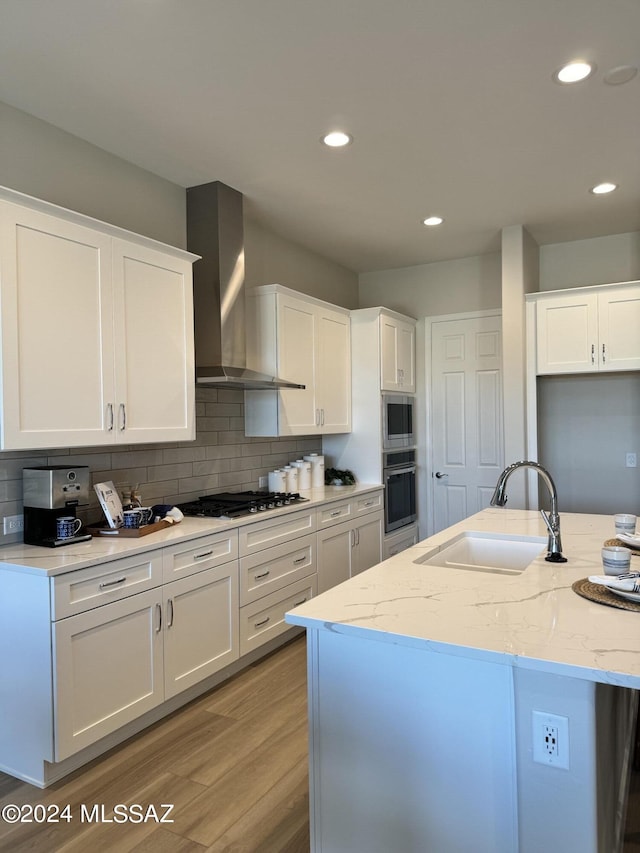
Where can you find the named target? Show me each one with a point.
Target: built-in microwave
(398, 421)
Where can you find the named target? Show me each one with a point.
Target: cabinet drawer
(267, 571)
(273, 531)
(264, 619)
(368, 503)
(84, 589)
(334, 513)
(196, 555)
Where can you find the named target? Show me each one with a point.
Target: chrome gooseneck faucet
(551, 519)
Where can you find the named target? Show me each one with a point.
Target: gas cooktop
(229, 505)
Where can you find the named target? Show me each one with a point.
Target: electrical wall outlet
(13, 524)
(550, 739)
(631, 460)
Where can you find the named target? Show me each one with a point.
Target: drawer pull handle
(106, 584)
(368, 503)
(336, 513)
(159, 611)
(260, 624)
(263, 575)
(299, 560)
(302, 601)
(201, 556)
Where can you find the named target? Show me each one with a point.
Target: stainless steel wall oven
(399, 478)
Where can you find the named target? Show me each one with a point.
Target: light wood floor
(233, 763)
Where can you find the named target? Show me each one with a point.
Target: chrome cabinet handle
(106, 584)
(123, 417)
(110, 411)
(317, 417)
(203, 555)
(593, 353)
(440, 475)
(170, 609)
(259, 624)
(159, 612)
(321, 417)
(263, 575)
(368, 503)
(299, 560)
(335, 513)
(604, 358)
(298, 603)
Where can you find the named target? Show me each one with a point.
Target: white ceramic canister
(291, 478)
(304, 474)
(277, 482)
(317, 470)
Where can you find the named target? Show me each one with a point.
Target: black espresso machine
(50, 492)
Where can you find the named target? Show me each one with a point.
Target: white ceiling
(450, 102)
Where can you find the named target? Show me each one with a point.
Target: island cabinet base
(416, 750)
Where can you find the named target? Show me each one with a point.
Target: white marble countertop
(34, 559)
(533, 620)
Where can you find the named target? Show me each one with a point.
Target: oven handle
(391, 472)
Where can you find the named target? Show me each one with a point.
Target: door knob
(440, 475)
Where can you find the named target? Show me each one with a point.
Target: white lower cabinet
(264, 619)
(349, 547)
(400, 540)
(115, 661)
(107, 669)
(275, 579)
(200, 627)
(97, 648)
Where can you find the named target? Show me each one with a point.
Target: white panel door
(369, 535)
(201, 626)
(57, 332)
(297, 363)
(466, 416)
(619, 328)
(335, 555)
(107, 669)
(155, 379)
(334, 372)
(567, 333)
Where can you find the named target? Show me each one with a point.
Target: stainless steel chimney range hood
(215, 231)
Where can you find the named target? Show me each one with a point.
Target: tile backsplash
(221, 458)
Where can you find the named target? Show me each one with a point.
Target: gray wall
(447, 287)
(43, 161)
(586, 424)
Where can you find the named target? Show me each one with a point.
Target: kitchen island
(430, 688)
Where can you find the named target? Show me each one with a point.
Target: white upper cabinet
(397, 354)
(97, 333)
(588, 329)
(302, 340)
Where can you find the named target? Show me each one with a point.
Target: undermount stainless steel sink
(503, 554)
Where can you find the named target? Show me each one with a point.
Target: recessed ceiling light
(337, 139)
(574, 72)
(620, 74)
(603, 188)
(433, 220)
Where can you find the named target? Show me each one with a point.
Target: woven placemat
(620, 544)
(601, 595)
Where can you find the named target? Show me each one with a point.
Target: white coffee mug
(625, 522)
(616, 560)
